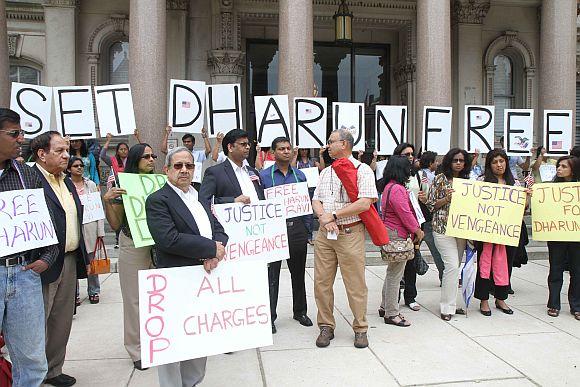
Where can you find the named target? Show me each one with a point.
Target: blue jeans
(22, 321)
(429, 240)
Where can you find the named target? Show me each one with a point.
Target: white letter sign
(185, 313)
(34, 104)
(518, 131)
(296, 198)
(223, 108)
(74, 111)
(350, 116)
(437, 129)
(186, 106)
(115, 110)
(390, 128)
(309, 122)
(557, 132)
(272, 118)
(92, 207)
(479, 128)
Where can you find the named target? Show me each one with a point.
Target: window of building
(118, 66)
(503, 90)
(24, 74)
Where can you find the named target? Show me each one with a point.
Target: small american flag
(185, 104)
(556, 144)
(529, 180)
(111, 179)
(28, 124)
(424, 179)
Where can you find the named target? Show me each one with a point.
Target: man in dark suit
(233, 180)
(186, 233)
(50, 151)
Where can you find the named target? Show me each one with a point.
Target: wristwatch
(334, 215)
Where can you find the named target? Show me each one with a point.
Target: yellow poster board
(556, 212)
(486, 212)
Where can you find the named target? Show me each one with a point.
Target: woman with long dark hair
(493, 255)
(140, 160)
(560, 253)
(79, 149)
(399, 219)
(118, 160)
(456, 164)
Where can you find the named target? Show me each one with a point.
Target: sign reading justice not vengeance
(486, 212)
(185, 313)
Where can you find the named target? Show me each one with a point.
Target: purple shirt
(398, 214)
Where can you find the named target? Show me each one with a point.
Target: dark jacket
(175, 232)
(221, 184)
(53, 272)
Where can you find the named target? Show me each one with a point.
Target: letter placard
(25, 222)
(272, 118)
(34, 104)
(257, 231)
(186, 106)
(115, 110)
(556, 212)
(311, 176)
(547, 172)
(223, 108)
(518, 131)
(486, 212)
(310, 122)
(437, 129)
(350, 116)
(185, 313)
(92, 207)
(295, 196)
(390, 128)
(74, 111)
(138, 188)
(479, 128)
(558, 132)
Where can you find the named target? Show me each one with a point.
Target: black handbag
(421, 266)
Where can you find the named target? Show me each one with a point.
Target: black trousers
(484, 286)
(410, 277)
(297, 245)
(560, 254)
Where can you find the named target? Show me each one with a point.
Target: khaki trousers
(59, 306)
(131, 260)
(392, 288)
(348, 252)
(451, 250)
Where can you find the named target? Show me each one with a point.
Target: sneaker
(116, 246)
(326, 334)
(361, 340)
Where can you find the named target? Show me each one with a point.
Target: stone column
(468, 17)
(4, 58)
(176, 38)
(433, 59)
(557, 56)
(295, 70)
(60, 24)
(148, 68)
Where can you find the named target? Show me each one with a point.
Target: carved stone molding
(24, 12)
(12, 45)
(399, 5)
(117, 23)
(177, 5)
(404, 72)
(226, 62)
(469, 11)
(61, 3)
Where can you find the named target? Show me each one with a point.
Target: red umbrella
(5, 368)
(347, 173)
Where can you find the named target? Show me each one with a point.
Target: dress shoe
(303, 320)
(486, 313)
(361, 340)
(61, 380)
(137, 365)
(274, 330)
(506, 311)
(511, 291)
(381, 312)
(460, 311)
(326, 334)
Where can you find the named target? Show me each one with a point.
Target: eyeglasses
(243, 144)
(14, 133)
(179, 166)
(78, 166)
(408, 154)
(149, 156)
(458, 161)
(330, 142)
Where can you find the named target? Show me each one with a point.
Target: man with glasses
(233, 180)
(21, 308)
(186, 233)
(51, 153)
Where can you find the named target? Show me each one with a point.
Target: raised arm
(206, 143)
(165, 138)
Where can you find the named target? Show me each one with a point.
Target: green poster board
(138, 187)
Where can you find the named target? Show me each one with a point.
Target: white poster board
(197, 176)
(186, 313)
(390, 128)
(312, 175)
(380, 168)
(257, 231)
(272, 118)
(25, 222)
(547, 172)
(74, 111)
(115, 111)
(416, 208)
(437, 129)
(558, 132)
(92, 207)
(350, 116)
(295, 196)
(479, 128)
(34, 104)
(267, 164)
(186, 106)
(518, 132)
(310, 122)
(223, 108)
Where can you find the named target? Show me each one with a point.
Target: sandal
(414, 306)
(94, 299)
(401, 323)
(553, 312)
(445, 317)
(381, 312)
(576, 315)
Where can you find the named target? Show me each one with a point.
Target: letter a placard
(272, 118)
(186, 106)
(34, 104)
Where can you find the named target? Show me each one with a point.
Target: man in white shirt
(186, 233)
